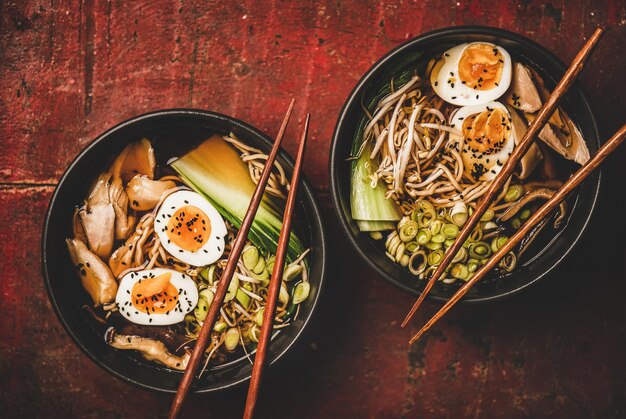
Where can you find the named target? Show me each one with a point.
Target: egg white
(459, 94)
(187, 298)
(210, 251)
(489, 161)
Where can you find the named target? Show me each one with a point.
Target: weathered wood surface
(69, 70)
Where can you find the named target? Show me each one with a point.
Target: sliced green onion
(459, 214)
(508, 262)
(431, 245)
(460, 255)
(476, 235)
(424, 213)
(514, 193)
(516, 223)
(412, 246)
(283, 295)
(292, 272)
(418, 262)
(209, 274)
(301, 292)
(207, 294)
(438, 238)
(250, 256)
(498, 242)
(450, 231)
(435, 227)
(232, 289)
(408, 230)
(435, 257)
(488, 215)
(423, 236)
(490, 225)
(473, 265)
(524, 214)
(231, 339)
(479, 250)
(201, 310)
(459, 271)
(258, 317)
(220, 326)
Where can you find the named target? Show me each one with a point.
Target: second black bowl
(404, 58)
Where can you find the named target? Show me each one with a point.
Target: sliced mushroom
(98, 218)
(523, 93)
(539, 193)
(576, 147)
(136, 159)
(144, 193)
(130, 254)
(150, 349)
(123, 222)
(560, 133)
(95, 275)
(533, 156)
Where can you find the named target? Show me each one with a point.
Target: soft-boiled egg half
(190, 228)
(156, 296)
(471, 74)
(487, 138)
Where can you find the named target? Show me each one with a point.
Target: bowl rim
(305, 188)
(353, 98)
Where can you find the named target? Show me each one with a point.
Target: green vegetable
(367, 203)
(498, 242)
(435, 257)
(424, 213)
(479, 250)
(459, 271)
(514, 193)
(215, 170)
(202, 309)
(418, 262)
(408, 231)
(375, 225)
(301, 292)
(450, 231)
(231, 339)
(423, 237)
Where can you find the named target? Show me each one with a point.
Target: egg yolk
(480, 66)
(155, 295)
(486, 132)
(189, 228)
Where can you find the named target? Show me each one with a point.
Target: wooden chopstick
(229, 270)
(545, 210)
(275, 282)
(507, 170)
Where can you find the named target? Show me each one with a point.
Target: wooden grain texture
(71, 69)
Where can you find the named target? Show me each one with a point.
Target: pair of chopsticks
(506, 172)
(229, 270)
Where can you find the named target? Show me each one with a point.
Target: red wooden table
(69, 70)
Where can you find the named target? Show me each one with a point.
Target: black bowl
(165, 129)
(404, 57)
